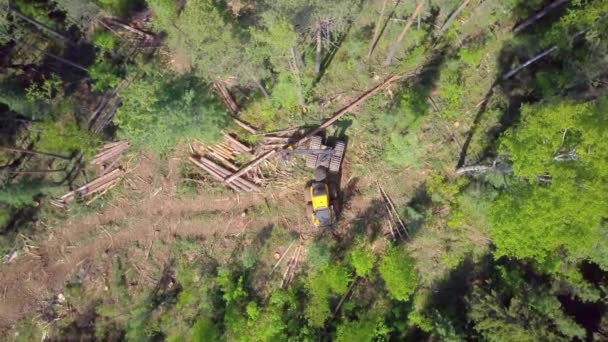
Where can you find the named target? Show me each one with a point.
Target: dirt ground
(141, 220)
(145, 215)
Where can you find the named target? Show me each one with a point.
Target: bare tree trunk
(537, 16)
(377, 31)
(318, 54)
(450, 20)
(395, 46)
(66, 62)
(39, 25)
(528, 62)
(260, 86)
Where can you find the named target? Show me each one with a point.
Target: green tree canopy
(159, 110)
(567, 145)
(397, 270)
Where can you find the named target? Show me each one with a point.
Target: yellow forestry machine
(321, 193)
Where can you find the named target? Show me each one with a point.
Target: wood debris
(109, 175)
(395, 222)
(292, 265)
(102, 183)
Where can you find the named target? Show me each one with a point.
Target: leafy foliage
(397, 270)
(568, 211)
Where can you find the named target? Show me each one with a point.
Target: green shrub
(397, 270)
(104, 74)
(160, 110)
(105, 40)
(362, 259)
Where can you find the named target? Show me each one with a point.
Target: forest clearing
(287, 170)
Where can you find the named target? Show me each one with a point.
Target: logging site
(304, 170)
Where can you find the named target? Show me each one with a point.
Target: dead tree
(46, 154)
(318, 51)
(408, 24)
(528, 62)
(451, 19)
(531, 20)
(296, 73)
(38, 24)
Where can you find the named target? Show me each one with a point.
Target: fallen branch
(38, 25)
(318, 48)
(528, 62)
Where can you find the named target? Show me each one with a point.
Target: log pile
(98, 186)
(219, 160)
(109, 175)
(109, 156)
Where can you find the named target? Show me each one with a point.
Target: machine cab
(322, 211)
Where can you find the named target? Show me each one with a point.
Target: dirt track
(158, 215)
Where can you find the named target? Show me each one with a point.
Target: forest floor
(142, 220)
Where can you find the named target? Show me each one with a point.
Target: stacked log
(109, 175)
(98, 185)
(109, 152)
(219, 161)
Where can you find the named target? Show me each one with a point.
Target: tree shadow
(520, 88)
(327, 59)
(449, 296)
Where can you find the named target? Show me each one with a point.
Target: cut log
(111, 144)
(225, 149)
(226, 97)
(245, 126)
(225, 173)
(225, 161)
(408, 24)
(92, 186)
(323, 126)
(110, 153)
(394, 210)
(237, 144)
(219, 151)
(213, 173)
